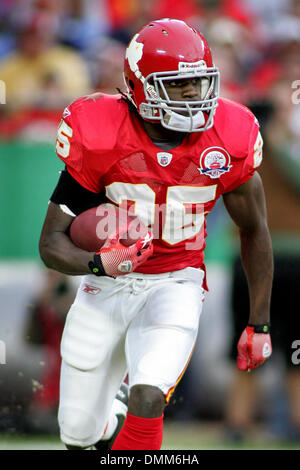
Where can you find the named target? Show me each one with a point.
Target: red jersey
(106, 149)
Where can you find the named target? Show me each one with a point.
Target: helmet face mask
(150, 76)
(159, 105)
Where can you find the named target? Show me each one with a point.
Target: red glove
(117, 259)
(254, 347)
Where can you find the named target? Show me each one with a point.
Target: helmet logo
(164, 158)
(186, 67)
(134, 53)
(214, 162)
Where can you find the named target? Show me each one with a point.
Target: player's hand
(118, 259)
(253, 347)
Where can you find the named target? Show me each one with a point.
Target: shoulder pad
(237, 127)
(98, 116)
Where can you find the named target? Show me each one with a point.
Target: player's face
(193, 89)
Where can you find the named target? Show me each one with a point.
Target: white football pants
(141, 324)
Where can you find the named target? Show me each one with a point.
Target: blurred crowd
(52, 52)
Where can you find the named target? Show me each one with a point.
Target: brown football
(90, 230)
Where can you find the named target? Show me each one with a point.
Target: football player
(167, 149)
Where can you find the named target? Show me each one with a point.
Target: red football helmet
(161, 52)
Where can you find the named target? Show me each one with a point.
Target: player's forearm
(257, 259)
(59, 253)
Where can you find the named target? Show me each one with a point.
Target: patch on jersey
(214, 162)
(164, 158)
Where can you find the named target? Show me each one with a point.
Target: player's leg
(159, 344)
(86, 400)
(93, 367)
(116, 419)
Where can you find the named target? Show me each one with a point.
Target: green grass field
(177, 436)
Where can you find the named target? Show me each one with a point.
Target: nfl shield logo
(164, 158)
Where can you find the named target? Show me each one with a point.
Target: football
(105, 225)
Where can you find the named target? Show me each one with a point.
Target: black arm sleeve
(71, 194)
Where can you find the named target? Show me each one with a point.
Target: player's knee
(146, 401)
(77, 427)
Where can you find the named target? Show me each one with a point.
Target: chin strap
(184, 122)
